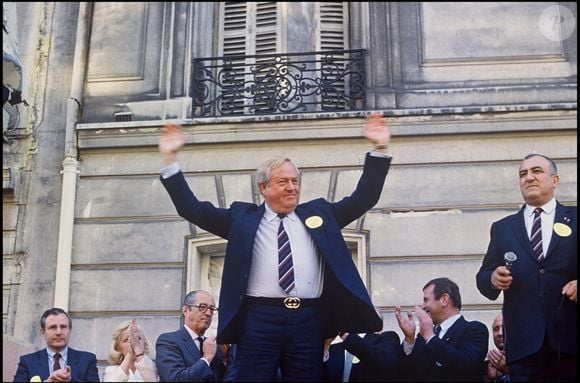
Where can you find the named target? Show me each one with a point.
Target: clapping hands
(137, 339)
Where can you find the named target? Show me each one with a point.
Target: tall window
(264, 28)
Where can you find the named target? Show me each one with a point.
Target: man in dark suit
(280, 314)
(540, 310)
(374, 358)
(186, 355)
(452, 351)
(57, 362)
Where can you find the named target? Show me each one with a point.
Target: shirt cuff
(408, 347)
(375, 153)
(170, 170)
(205, 360)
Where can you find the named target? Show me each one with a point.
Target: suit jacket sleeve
(84, 369)
(202, 213)
(172, 365)
(463, 359)
(333, 367)
(383, 352)
(468, 355)
(490, 262)
(367, 192)
(23, 372)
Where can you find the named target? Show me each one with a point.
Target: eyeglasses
(203, 308)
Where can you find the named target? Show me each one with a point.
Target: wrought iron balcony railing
(305, 82)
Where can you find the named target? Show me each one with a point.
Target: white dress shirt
(308, 265)
(548, 216)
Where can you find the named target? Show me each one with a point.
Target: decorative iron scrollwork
(303, 82)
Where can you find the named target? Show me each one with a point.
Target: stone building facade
(468, 91)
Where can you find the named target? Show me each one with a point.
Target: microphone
(509, 258)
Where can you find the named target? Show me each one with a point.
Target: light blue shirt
(63, 358)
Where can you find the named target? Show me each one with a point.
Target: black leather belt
(289, 302)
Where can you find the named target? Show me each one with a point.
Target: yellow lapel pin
(313, 222)
(562, 230)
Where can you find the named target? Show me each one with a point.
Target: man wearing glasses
(186, 355)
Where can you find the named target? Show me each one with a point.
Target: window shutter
(267, 26)
(333, 37)
(249, 28)
(233, 29)
(333, 25)
(234, 43)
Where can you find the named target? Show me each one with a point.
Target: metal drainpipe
(70, 164)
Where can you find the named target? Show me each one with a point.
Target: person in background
(288, 281)
(57, 362)
(496, 367)
(448, 348)
(129, 354)
(187, 355)
(540, 302)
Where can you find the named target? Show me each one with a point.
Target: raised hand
(137, 339)
(376, 130)
(425, 322)
(406, 323)
(170, 141)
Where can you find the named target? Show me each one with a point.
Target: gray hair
(553, 168)
(264, 172)
(190, 298)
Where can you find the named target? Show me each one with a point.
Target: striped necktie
(285, 266)
(536, 235)
(437, 330)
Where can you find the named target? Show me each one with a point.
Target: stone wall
(463, 106)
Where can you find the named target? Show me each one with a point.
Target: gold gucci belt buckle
(292, 302)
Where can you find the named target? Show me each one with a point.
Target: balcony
(305, 82)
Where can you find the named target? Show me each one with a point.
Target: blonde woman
(129, 356)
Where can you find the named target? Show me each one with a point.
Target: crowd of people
(289, 288)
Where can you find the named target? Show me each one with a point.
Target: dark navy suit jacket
(458, 357)
(379, 358)
(179, 360)
(83, 366)
(345, 298)
(534, 304)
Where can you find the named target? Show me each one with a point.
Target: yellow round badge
(562, 230)
(314, 222)
(355, 360)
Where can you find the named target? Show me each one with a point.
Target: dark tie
(437, 330)
(201, 339)
(56, 365)
(536, 236)
(285, 266)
